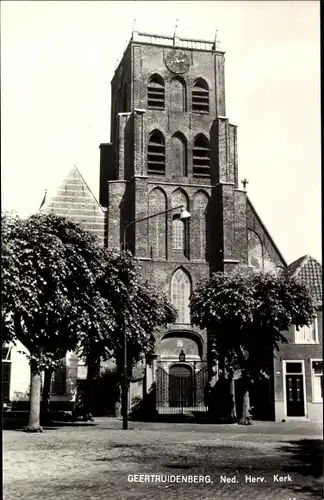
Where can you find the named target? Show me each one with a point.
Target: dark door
(295, 390)
(180, 386)
(6, 368)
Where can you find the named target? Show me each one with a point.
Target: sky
(57, 61)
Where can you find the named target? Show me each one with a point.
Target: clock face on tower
(177, 61)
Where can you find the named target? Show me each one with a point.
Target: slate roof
(309, 271)
(75, 200)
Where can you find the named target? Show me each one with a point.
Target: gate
(181, 387)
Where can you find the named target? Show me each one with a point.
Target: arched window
(180, 293)
(255, 250)
(178, 233)
(199, 220)
(156, 153)
(179, 154)
(180, 228)
(158, 224)
(155, 92)
(177, 94)
(201, 156)
(200, 96)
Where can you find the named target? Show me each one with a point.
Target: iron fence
(181, 388)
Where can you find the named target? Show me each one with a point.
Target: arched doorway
(180, 386)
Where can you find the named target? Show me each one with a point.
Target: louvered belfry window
(156, 153)
(155, 93)
(201, 156)
(200, 96)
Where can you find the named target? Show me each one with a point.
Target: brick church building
(172, 145)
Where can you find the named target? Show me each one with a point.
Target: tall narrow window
(155, 92)
(200, 96)
(317, 376)
(156, 153)
(177, 94)
(180, 293)
(178, 233)
(199, 220)
(201, 156)
(158, 224)
(6, 372)
(179, 154)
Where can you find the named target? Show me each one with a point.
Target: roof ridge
(94, 197)
(283, 260)
(301, 265)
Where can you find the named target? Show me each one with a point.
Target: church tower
(173, 146)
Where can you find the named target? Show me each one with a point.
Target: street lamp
(184, 215)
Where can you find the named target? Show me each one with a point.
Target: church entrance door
(180, 386)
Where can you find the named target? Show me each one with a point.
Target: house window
(200, 96)
(180, 293)
(59, 379)
(155, 92)
(307, 334)
(6, 373)
(201, 156)
(317, 380)
(178, 234)
(156, 153)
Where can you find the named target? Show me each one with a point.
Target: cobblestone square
(264, 461)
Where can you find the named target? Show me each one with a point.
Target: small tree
(246, 315)
(50, 297)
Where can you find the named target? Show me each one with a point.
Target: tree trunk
(232, 399)
(46, 396)
(92, 373)
(118, 402)
(35, 391)
(246, 417)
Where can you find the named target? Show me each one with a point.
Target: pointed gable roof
(74, 199)
(309, 271)
(269, 242)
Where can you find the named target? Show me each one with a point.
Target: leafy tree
(50, 298)
(246, 315)
(139, 307)
(61, 292)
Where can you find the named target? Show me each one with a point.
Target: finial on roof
(134, 24)
(216, 41)
(244, 182)
(175, 28)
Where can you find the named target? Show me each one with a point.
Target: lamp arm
(146, 218)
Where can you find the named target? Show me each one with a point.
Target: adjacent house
(298, 367)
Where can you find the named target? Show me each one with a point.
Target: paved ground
(264, 461)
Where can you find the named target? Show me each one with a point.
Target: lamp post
(184, 214)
